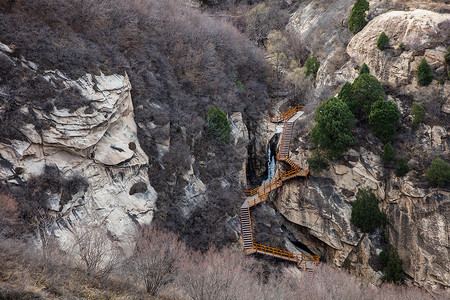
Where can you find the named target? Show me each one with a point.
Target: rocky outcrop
(422, 33)
(319, 211)
(418, 218)
(97, 142)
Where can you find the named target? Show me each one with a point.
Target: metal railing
(286, 115)
(263, 193)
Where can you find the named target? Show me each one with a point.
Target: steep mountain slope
(418, 213)
(176, 61)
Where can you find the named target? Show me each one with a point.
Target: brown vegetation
(169, 271)
(180, 63)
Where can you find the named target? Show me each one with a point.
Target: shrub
(357, 19)
(156, 257)
(218, 124)
(402, 167)
(332, 131)
(439, 172)
(364, 69)
(317, 161)
(447, 56)
(365, 91)
(401, 46)
(388, 154)
(394, 269)
(424, 74)
(383, 118)
(346, 264)
(418, 112)
(365, 212)
(382, 41)
(312, 66)
(346, 95)
(383, 258)
(262, 18)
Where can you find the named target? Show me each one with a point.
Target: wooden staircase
(261, 193)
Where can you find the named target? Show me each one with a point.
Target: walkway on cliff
(261, 193)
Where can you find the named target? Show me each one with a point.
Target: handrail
(284, 253)
(263, 191)
(251, 192)
(258, 200)
(286, 115)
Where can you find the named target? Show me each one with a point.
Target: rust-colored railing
(286, 255)
(281, 142)
(289, 161)
(251, 192)
(258, 200)
(269, 186)
(286, 115)
(263, 194)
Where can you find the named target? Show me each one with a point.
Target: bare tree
(155, 258)
(98, 255)
(218, 275)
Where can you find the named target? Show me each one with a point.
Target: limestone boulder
(423, 34)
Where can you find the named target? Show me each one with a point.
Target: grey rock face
(418, 215)
(98, 143)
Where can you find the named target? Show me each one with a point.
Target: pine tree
(357, 19)
(365, 212)
(312, 66)
(346, 95)
(394, 269)
(439, 172)
(218, 124)
(364, 69)
(332, 131)
(366, 89)
(388, 154)
(402, 167)
(424, 74)
(383, 119)
(382, 41)
(418, 112)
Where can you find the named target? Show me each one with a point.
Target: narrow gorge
(196, 118)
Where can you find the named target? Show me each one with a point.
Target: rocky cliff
(97, 141)
(318, 211)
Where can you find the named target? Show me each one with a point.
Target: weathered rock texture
(98, 143)
(424, 34)
(319, 210)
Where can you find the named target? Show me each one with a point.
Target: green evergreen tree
(383, 258)
(346, 264)
(365, 91)
(424, 74)
(383, 119)
(439, 172)
(418, 112)
(317, 162)
(357, 19)
(365, 212)
(364, 69)
(393, 272)
(447, 56)
(312, 66)
(388, 154)
(332, 131)
(218, 124)
(402, 167)
(382, 41)
(346, 95)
